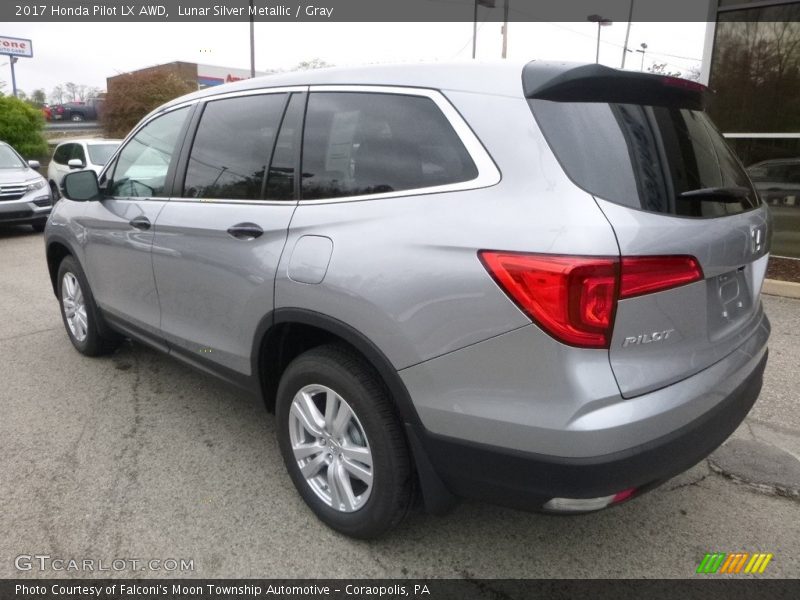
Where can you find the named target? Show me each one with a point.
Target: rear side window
(232, 147)
(77, 152)
(660, 159)
(371, 143)
(61, 155)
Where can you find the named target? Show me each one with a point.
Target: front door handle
(140, 222)
(245, 231)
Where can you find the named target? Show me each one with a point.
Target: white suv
(78, 154)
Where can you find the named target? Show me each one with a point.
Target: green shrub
(21, 126)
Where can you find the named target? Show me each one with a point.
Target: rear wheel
(79, 312)
(77, 117)
(342, 442)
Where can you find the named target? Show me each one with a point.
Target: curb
(787, 289)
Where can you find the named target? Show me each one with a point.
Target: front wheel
(79, 312)
(342, 443)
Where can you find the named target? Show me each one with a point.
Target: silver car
(25, 198)
(534, 284)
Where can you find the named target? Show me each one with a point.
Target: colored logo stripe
(720, 562)
(711, 562)
(758, 563)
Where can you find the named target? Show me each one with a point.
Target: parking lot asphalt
(137, 456)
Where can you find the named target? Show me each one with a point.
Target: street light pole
(252, 42)
(627, 35)
(474, 29)
(601, 22)
(643, 51)
(505, 29)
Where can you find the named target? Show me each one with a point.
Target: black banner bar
(701, 588)
(351, 10)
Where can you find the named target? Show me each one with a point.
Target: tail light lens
(574, 298)
(648, 274)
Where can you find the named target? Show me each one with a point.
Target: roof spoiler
(597, 83)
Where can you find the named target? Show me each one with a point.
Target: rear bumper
(527, 480)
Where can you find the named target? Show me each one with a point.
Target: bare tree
(72, 90)
(314, 63)
(57, 95)
(661, 69)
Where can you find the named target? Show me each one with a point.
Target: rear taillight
(574, 298)
(648, 274)
(571, 297)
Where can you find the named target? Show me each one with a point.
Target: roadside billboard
(16, 46)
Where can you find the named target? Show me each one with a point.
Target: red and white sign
(16, 46)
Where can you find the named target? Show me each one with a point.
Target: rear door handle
(140, 222)
(245, 231)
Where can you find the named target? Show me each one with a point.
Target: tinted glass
(143, 163)
(99, 154)
(232, 147)
(367, 143)
(77, 152)
(280, 183)
(755, 70)
(61, 155)
(9, 158)
(653, 158)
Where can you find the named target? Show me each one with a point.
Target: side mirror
(81, 186)
(75, 163)
(34, 164)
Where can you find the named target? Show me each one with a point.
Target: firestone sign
(16, 46)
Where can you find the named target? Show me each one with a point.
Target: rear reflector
(577, 504)
(588, 504)
(648, 274)
(574, 298)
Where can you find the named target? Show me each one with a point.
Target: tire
(38, 227)
(373, 434)
(55, 192)
(89, 336)
(76, 118)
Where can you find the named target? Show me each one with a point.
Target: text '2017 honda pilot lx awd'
(533, 284)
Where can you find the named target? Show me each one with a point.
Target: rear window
(99, 154)
(661, 159)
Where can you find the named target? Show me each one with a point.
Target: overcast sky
(87, 53)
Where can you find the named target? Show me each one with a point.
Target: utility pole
(505, 28)
(627, 35)
(12, 59)
(252, 42)
(487, 4)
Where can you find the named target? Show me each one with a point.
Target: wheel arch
(56, 252)
(287, 332)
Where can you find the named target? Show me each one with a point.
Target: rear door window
(358, 144)
(61, 155)
(232, 147)
(660, 159)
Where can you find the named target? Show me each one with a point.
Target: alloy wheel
(331, 448)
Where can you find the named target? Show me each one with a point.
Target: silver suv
(532, 284)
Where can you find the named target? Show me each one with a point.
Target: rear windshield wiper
(717, 194)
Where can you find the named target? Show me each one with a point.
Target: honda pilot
(530, 284)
